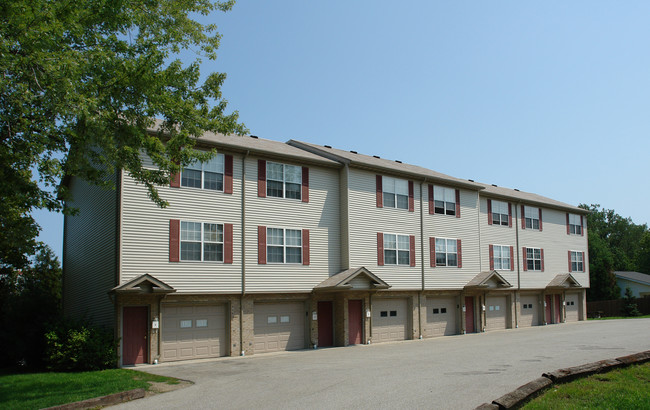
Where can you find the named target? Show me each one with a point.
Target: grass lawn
(620, 317)
(38, 390)
(627, 388)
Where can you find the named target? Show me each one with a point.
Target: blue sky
(548, 97)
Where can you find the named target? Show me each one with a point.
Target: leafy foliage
(79, 346)
(81, 82)
(630, 307)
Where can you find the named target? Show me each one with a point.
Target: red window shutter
(542, 252)
(227, 243)
(582, 226)
(523, 217)
(305, 246)
(176, 180)
(540, 219)
(412, 249)
(261, 245)
(510, 215)
(227, 178)
(305, 184)
(431, 210)
(380, 249)
(174, 240)
(261, 182)
(380, 192)
(459, 249)
(525, 258)
(491, 257)
(458, 203)
(570, 270)
(432, 252)
(411, 197)
(568, 231)
(584, 262)
(512, 258)
(489, 203)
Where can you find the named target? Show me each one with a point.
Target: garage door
(193, 332)
(389, 320)
(572, 307)
(279, 326)
(529, 311)
(496, 312)
(441, 316)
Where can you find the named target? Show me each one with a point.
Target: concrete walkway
(455, 372)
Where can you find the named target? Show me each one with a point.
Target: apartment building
(281, 246)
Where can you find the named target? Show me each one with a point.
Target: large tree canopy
(80, 84)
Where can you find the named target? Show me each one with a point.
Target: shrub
(79, 346)
(630, 307)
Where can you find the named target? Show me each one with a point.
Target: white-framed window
(575, 225)
(501, 257)
(500, 214)
(205, 175)
(201, 241)
(534, 258)
(395, 193)
(446, 252)
(283, 245)
(397, 249)
(532, 217)
(444, 200)
(577, 262)
(283, 180)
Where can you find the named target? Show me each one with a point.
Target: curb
(102, 401)
(522, 394)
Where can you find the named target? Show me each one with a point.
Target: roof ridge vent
(470, 180)
(494, 184)
(516, 190)
(327, 146)
(377, 156)
(398, 161)
(254, 136)
(354, 152)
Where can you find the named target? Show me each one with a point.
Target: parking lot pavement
(454, 372)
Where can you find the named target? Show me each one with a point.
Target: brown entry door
(325, 325)
(354, 322)
(469, 315)
(134, 333)
(557, 309)
(549, 300)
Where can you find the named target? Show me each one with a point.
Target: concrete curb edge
(102, 401)
(522, 394)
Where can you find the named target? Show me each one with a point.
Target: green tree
(630, 307)
(81, 82)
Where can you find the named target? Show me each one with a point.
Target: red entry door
(557, 309)
(134, 333)
(354, 322)
(325, 324)
(469, 315)
(549, 303)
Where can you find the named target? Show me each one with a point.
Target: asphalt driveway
(455, 372)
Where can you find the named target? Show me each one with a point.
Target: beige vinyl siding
(366, 220)
(145, 235)
(499, 235)
(320, 215)
(464, 228)
(89, 256)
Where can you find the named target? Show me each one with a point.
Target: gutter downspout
(518, 269)
(421, 258)
(243, 253)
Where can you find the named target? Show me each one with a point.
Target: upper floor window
(576, 261)
(201, 241)
(283, 181)
(205, 175)
(397, 249)
(395, 193)
(444, 200)
(446, 252)
(501, 257)
(500, 213)
(534, 259)
(574, 224)
(283, 245)
(532, 217)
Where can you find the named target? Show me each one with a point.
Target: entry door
(469, 315)
(354, 322)
(549, 303)
(325, 324)
(134, 332)
(557, 309)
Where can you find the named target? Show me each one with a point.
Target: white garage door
(389, 320)
(279, 326)
(529, 311)
(496, 312)
(572, 307)
(193, 332)
(441, 316)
